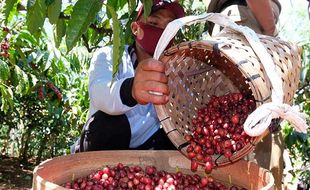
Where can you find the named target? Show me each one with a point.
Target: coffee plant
(44, 97)
(298, 144)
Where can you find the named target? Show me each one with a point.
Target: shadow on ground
(15, 175)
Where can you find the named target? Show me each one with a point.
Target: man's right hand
(150, 77)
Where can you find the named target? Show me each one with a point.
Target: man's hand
(150, 77)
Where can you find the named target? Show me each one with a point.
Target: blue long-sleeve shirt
(115, 98)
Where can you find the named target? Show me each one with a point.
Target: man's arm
(105, 94)
(262, 11)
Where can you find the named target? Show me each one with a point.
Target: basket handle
(258, 121)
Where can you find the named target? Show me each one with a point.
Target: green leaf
(9, 6)
(147, 6)
(68, 10)
(6, 98)
(30, 3)
(20, 53)
(49, 2)
(42, 60)
(116, 5)
(302, 136)
(26, 36)
(4, 71)
(75, 63)
(291, 140)
(129, 38)
(20, 80)
(132, 6)
(48, 62)
(53, 11)
(60, 31)
(84, 12)
(64, 80)
(33, 79)
(118, 46)
(36, 13)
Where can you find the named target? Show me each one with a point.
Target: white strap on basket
(258, 121)
(266, 112)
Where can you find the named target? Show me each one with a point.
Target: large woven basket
(198, 70)
(50, 174)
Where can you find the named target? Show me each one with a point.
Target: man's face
(147, 32)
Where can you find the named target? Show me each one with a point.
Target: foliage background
(46, 47)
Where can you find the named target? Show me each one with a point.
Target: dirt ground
(14, 175)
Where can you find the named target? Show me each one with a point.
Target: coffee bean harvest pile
(148, 178)
(218, 129)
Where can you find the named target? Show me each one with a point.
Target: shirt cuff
(125, 93)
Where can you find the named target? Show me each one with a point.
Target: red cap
(174, 7)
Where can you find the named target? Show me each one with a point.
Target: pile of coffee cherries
(4, 48)
(148, 178)
(217, 129)
(48, 90)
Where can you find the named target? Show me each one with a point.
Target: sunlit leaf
(26, 36)
(116, 5)
(53, 11)
(129, 39)
(33, 79)
(36, 13)
(20, 80)
(60, 31)
(68, 10)
(147, 7)
(64, 79)
(9, 6)
(132, 4)
(6, 98)
(118, 47)
(4, 71)
(75, 63)
(84, 13)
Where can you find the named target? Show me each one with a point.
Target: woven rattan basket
(197, 70)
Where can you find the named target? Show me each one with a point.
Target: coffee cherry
(235, 119)
(194, 165)
(51, 86)
(41, 92)
(208, 167)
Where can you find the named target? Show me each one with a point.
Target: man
(122, 114)
(261, 16)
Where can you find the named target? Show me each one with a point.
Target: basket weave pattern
(201, 69)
